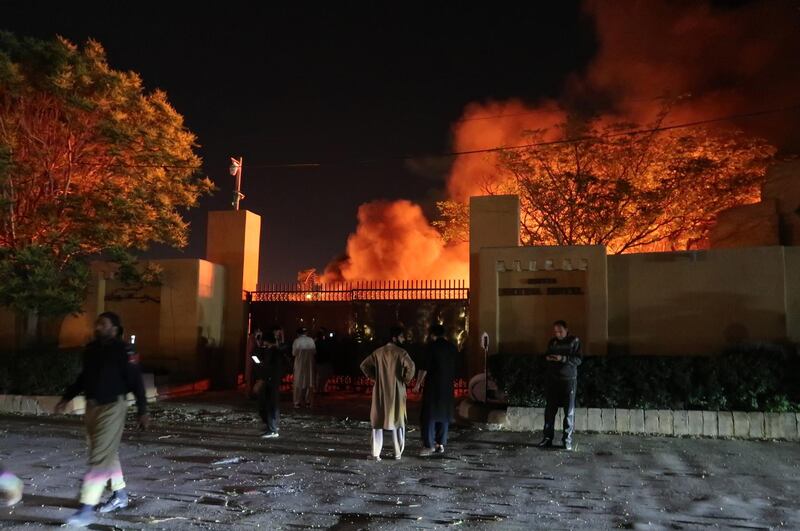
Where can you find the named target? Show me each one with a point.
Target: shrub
(42, 371)
(762, 378)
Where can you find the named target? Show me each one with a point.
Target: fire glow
(634, 73)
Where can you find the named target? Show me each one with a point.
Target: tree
(629, 192)
(453, 222)
(89, 161)
(307, 279)
(34, 284)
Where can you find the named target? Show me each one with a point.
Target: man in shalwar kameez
(391, 368)
(109, 373)
(304, 351)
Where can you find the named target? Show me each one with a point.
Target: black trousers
(560, 393)
(268, 402)
(433, 431)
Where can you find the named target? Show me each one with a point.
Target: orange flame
(395, 241)
(716, 60)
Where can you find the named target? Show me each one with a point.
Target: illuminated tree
(89, 162)
(453, 222)
(307, 279)
(659, 190)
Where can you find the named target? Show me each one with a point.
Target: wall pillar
(493, 222)
(234, 241)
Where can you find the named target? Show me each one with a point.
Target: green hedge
(759, 379)
(43, 371)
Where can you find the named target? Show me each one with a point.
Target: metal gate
(359, 314)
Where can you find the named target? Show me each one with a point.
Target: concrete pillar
(233, 240)
(791, 265)
(493, 222)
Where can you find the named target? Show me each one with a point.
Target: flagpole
(236, 171)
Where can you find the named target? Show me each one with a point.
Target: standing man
(280, 339)
(268, 361)
(108, 374)
(277, 331)
(249, 375)
(391, 368)
(562, 357)
(436, 378)
(324, 358)
(304, 352)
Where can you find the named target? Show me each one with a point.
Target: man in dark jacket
(562, 357)
(268, 360)
(109, 374)
(324, 358)
(436, 375)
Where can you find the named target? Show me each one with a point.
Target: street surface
(203, 466)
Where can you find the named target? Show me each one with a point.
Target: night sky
(323, 83)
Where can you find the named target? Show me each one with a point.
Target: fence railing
(372, 290)
(363, 385)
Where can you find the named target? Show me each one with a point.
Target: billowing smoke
(705, 61)
(394, 241)
(720, 60)
(495, 124)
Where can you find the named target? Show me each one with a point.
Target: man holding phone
(562, 358)
(268, 369)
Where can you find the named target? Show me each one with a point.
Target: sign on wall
(529, 302)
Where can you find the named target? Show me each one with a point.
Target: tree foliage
(653, 190)
(89, 161)
(453, 222)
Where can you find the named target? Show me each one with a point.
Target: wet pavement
(203, 466)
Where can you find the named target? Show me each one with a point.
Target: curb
(753, 425)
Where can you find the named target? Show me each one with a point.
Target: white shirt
(303, 344)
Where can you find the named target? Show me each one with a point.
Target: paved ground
(202, 466)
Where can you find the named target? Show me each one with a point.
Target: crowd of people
(110, 371)
(392, 369)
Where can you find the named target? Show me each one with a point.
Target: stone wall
(679, 423)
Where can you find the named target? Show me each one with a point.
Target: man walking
(391, 368)
(304, 352)
(108, 374)
(562, 357)
(436, 376)
(268, 361)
